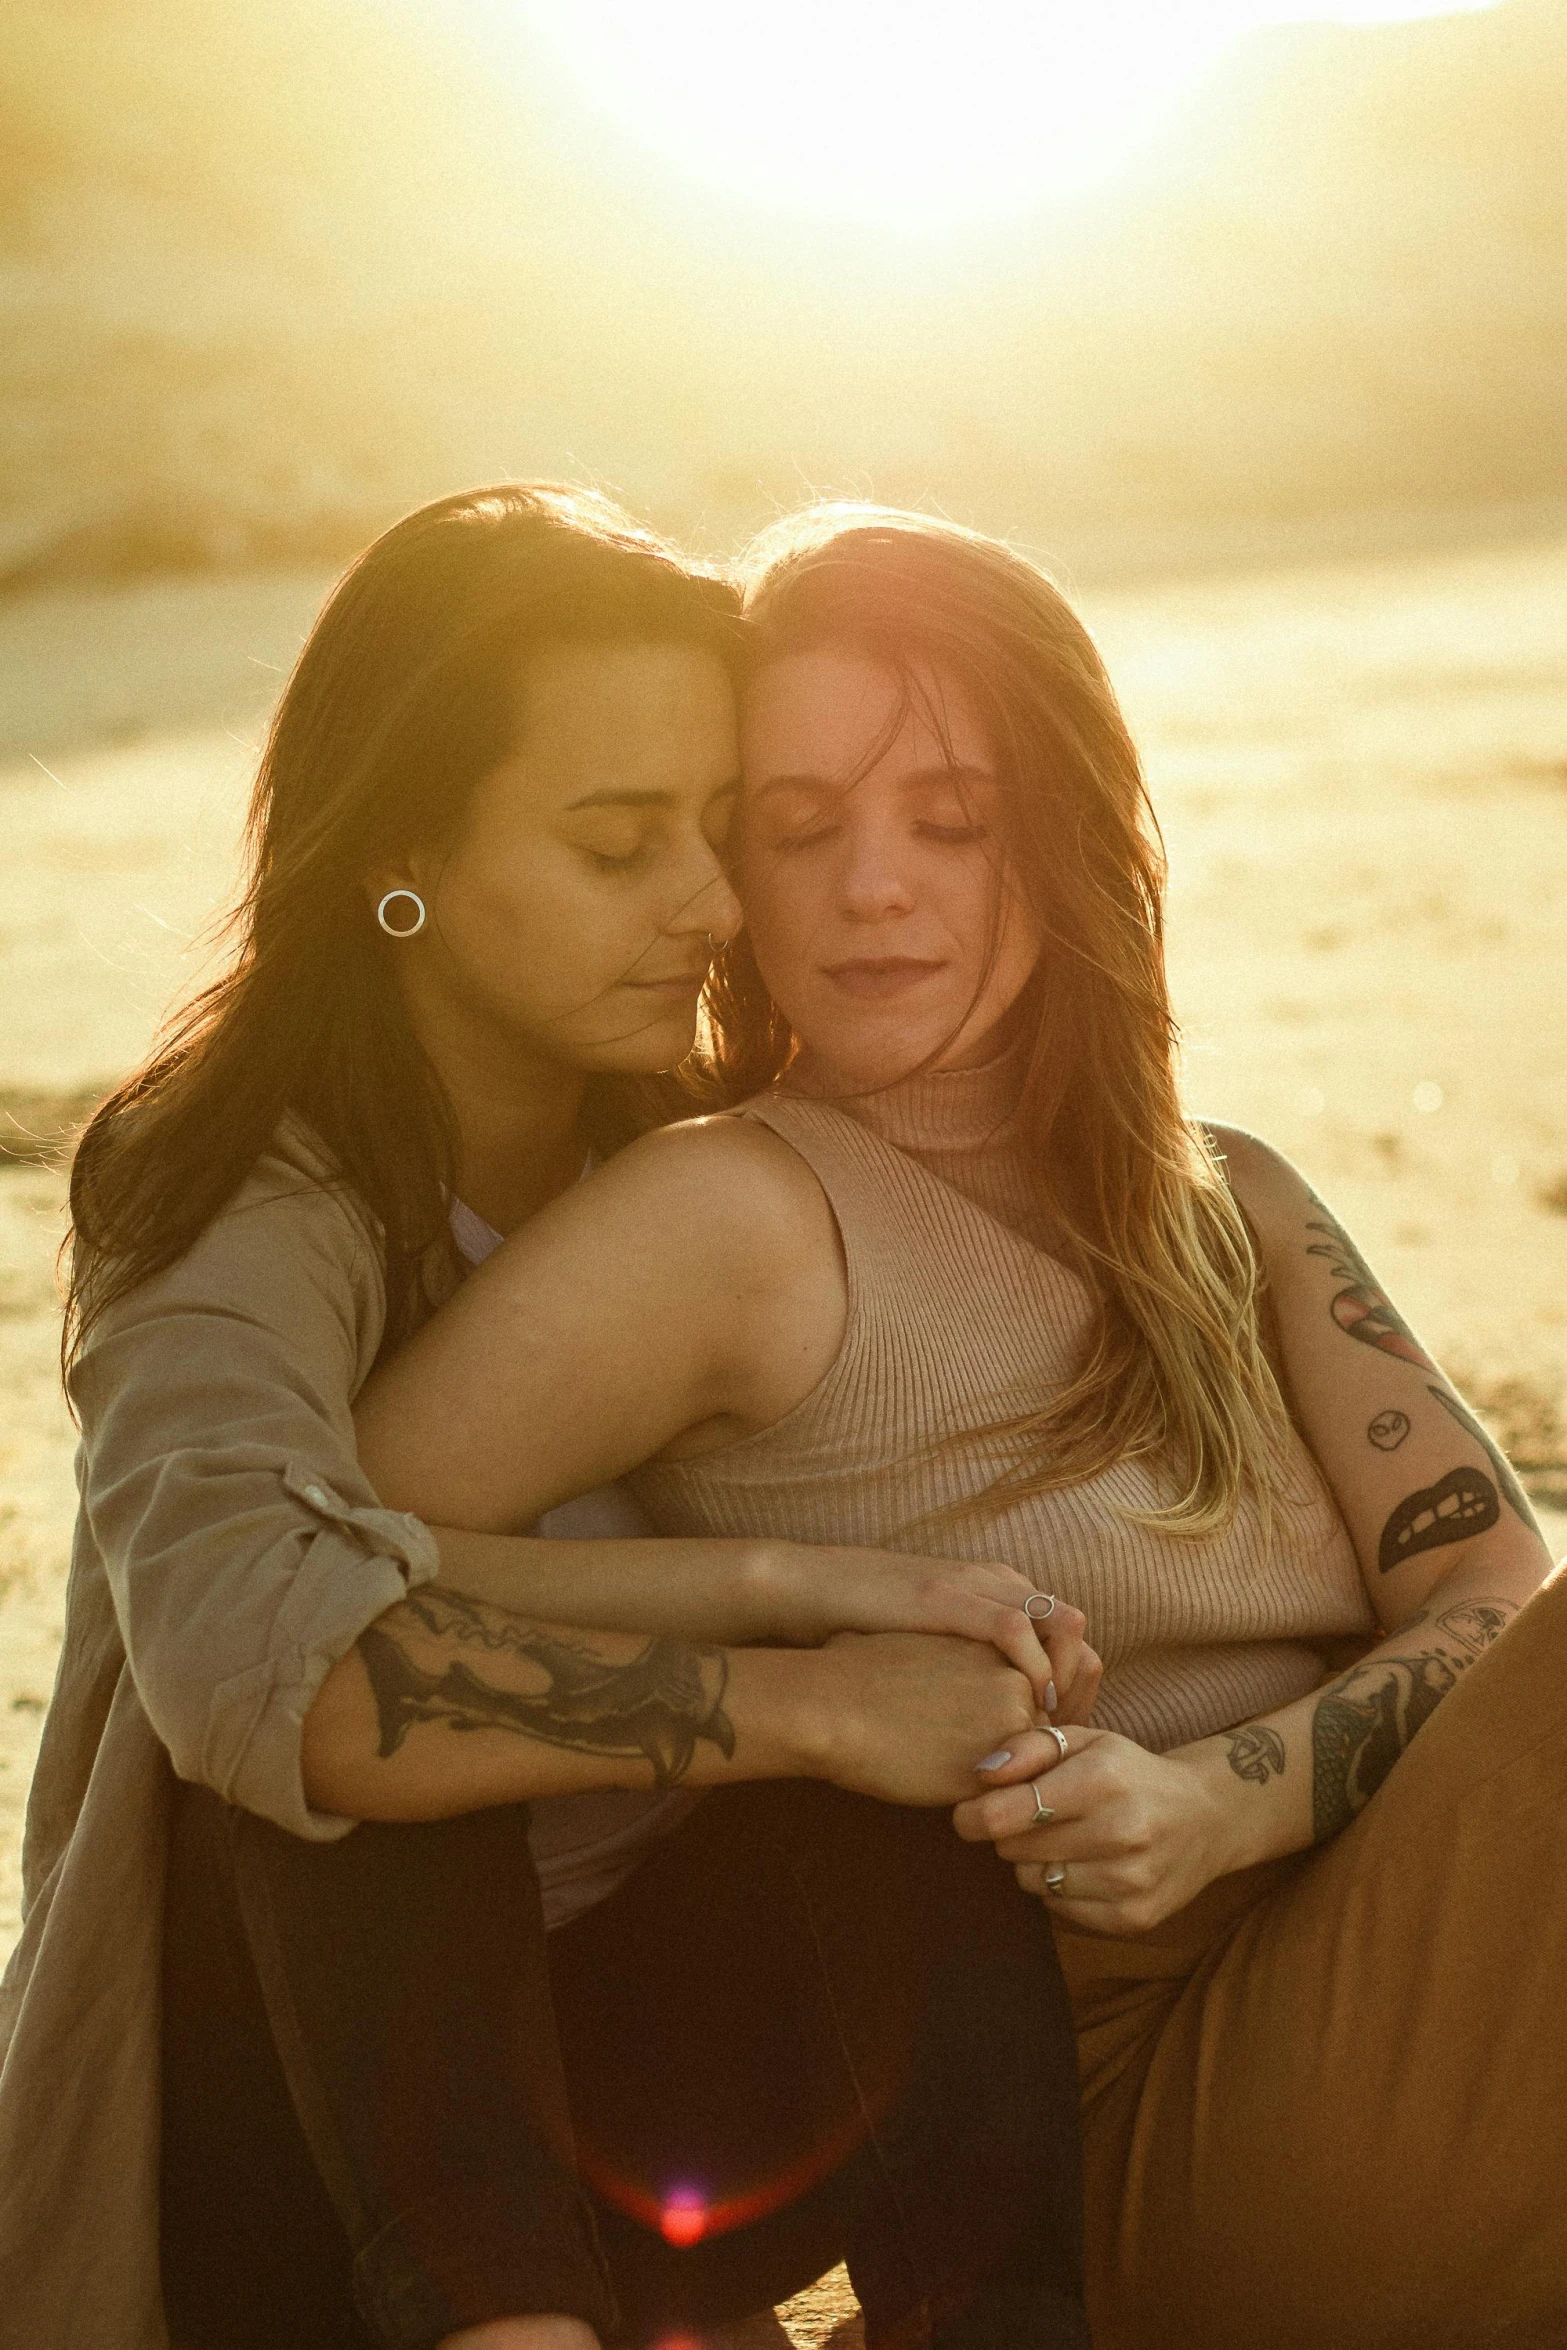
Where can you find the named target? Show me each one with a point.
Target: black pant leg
(957, 2030)
(254, 2255)
(710, 2145)
(833, 2027)
(403, 1986)
(827, 2019)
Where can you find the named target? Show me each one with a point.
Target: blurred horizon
(268, 278)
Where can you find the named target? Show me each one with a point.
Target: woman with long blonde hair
(960, 1271)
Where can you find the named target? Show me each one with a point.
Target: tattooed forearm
(1361, 1728)
(1256, 1753)
(1460, 1504)
(655, 1705)
(1514, 1494)
(1364, 1721)
(1363, 1310)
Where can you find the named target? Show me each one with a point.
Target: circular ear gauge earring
(402, 929)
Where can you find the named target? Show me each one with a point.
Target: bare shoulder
(733, 1185)
(1267, 1184)
(1274, 1196)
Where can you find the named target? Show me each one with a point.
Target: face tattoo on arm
(1388, 1430)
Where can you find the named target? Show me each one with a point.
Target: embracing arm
(448, 1704)
(754, 1592)
(689, 1292)
(1449, 1551)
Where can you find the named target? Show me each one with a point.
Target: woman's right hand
(908, 1717)
(810, 1594)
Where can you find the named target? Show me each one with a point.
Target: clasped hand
(810, 1595)
(1138, 1835)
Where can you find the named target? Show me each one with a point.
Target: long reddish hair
(401, 701)
(1174, 1369)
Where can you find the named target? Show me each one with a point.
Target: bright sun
(908, 112)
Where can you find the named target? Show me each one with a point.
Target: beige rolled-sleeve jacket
(228, 1550)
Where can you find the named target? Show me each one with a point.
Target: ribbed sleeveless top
(958, 1316)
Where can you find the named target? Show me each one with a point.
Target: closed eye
(953, 835)
(805, 840)
(627, 861)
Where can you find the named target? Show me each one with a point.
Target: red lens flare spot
(683, 2218)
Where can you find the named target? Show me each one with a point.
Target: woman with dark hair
(548, 2050)
(981, 1283)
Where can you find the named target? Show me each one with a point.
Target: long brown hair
(1174, 1369)
(401, 701)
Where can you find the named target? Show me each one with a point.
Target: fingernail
(993, 1762)
(1050, 1698)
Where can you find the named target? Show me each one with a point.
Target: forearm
(1298, 1776)
(449, 1704)
(735, 1593)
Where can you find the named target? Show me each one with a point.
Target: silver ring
(1055, 1878)
(1045, 1613)
(1042, 1810)
(402, 929)
(1060, 1738)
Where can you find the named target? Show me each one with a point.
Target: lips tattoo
(1462, 1503)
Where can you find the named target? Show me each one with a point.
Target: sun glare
(907, 112)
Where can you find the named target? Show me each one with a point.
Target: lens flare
(683, 2217)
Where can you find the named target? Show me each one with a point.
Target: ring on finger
(1055, 1878)
(1042, 1810)
(1040, 1606)
(1060, 1738)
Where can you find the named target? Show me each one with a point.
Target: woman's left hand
(1131, 1836)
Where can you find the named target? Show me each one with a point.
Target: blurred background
(1248, 319)
(1108, 275)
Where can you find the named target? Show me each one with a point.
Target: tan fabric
(1325, 2108)
(956, 1316)
(228, 1551)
